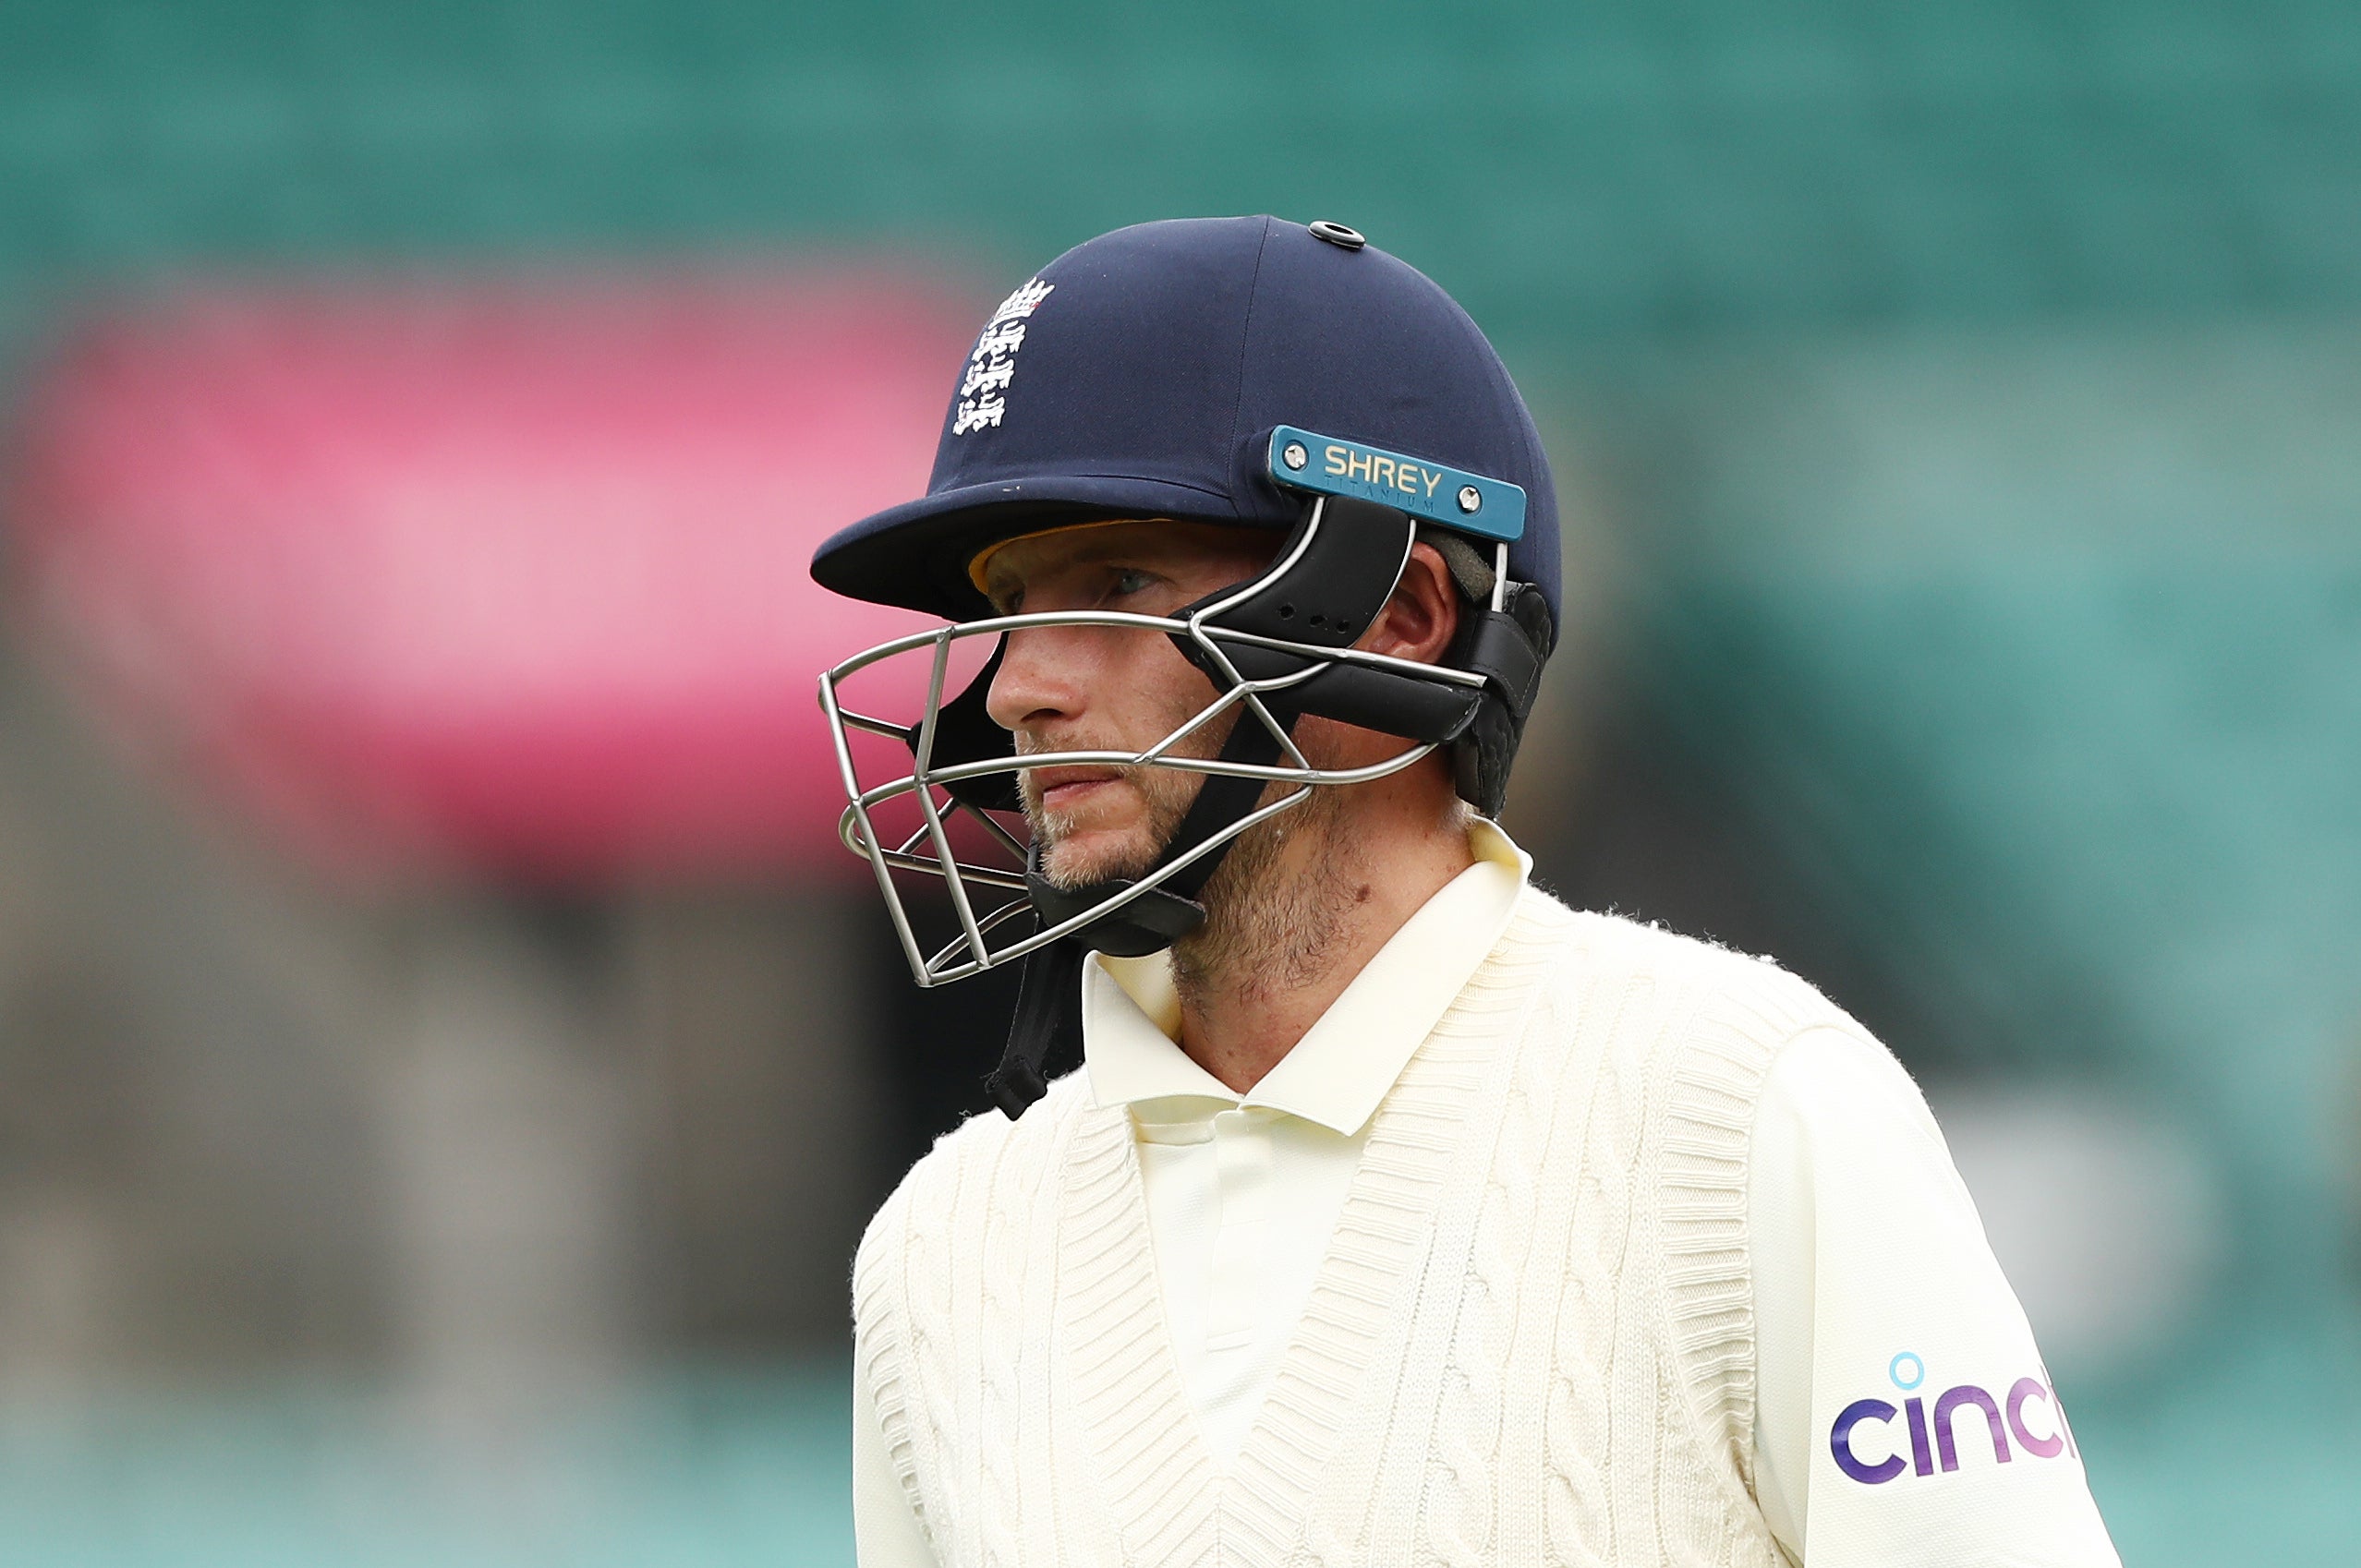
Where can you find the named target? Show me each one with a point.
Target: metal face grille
(991, 867)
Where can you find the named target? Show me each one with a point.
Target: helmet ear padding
(1329, 588)
(1333, 574)
(1333, 577)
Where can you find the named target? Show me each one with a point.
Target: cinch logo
(2011, 1414)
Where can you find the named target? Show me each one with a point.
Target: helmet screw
(1470, 498)
(1293, 455)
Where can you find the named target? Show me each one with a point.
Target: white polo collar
(1347, 1061)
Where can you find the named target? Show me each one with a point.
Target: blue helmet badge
(1489, 509)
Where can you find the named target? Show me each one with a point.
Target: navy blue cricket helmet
(1229, 370)
(1142, 373)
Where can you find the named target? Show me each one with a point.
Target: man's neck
(1298, 909)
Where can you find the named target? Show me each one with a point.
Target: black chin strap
(1048, 1025)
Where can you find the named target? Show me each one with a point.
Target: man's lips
(1064, 786)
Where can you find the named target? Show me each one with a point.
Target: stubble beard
(1167, 793)
(1276, 906)
(1271, 919)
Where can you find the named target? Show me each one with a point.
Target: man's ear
(1422, 616)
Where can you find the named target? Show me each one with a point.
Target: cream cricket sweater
(1530, 1339)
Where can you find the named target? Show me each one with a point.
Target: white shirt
(1862, 1238)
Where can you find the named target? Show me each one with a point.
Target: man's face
(1107, 688)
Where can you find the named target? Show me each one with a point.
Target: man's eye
(1129, 581)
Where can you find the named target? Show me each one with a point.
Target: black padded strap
(1506, 647)
(1502, 652)
(1047, 1023)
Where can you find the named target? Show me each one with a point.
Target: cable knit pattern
(1531, 1340)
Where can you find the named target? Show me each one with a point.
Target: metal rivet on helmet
(1469, 498)
(1336, 234)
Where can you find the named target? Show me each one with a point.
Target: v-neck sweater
(1548, 1229)
(1530, 1338)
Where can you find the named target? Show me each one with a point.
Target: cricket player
(1399, 1213)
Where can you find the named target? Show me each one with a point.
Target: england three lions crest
(983, 391)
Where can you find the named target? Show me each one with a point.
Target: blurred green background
(1959, 409)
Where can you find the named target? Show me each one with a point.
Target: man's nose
(1036, 684)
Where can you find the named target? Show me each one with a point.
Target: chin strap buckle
(1014, 1085)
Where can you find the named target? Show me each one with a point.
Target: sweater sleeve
(885, 1533)
(1904, 1416)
